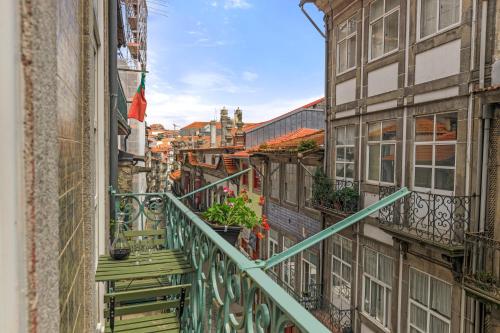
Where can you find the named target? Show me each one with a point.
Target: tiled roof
(292, 140)
(229, 164)
(175, 175)
(196, 124)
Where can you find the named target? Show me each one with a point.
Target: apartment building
(411, 95)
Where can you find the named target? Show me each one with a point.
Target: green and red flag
(138, 108)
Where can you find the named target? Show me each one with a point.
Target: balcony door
(309, 277)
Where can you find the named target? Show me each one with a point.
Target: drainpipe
(487, 115)
(482, 49)
(113, 97)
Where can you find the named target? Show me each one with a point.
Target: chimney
(239, 137)
(224, 122)
(213, 134)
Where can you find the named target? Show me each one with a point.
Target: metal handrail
(347, 222)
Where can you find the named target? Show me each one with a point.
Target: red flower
(261, 200)
(266, 226)
(260, 235)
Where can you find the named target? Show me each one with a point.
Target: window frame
(273, 171)
(333, 294)
(437, 32)
(308, 201)
(380, 143)
(433, 166)
(275, 247)
(386, 302)
(287, 262)
(294, 182)
(428, 310)
(370, 28)
(345, 146)
(346, 38)
(306, 261)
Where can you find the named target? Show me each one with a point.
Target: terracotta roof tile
(229, 164)
(292, 140)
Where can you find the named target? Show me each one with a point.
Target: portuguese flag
(138, 108)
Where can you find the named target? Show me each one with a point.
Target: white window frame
(345, 146)
(370, 24)
(293, 182)
(303, 271)
(272, 248)
(286, 263)
(336, 295)
(387, 302)
(312, 169)
(275, 169)
(346, 39)
(427, 308)
(433, 166)
(380, 143)
(450, 27)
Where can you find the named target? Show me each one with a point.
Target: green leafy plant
(306, 145)
(322, 191)
(486, 277)
(234, 211)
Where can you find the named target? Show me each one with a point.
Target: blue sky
(261, 55)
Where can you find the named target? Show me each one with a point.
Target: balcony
(228, 292)
(438, 219)
(337, 197)
(122, 114)
(482, 266)
(337, 320)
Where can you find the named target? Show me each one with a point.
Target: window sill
(346, 71)
(375, 322)
(451, 27)
(382, 56)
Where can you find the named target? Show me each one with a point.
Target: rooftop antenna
(175, 126)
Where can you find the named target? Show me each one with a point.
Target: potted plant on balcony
(322, 191)
(228, 218)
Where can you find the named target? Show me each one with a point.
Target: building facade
(407, 106)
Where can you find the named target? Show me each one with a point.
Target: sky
(263, 56)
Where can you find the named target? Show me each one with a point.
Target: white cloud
(250, 76)
(211, 81)
(240, 4)
(213, 4)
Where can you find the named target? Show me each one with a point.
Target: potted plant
(322, 191)
(229, 217)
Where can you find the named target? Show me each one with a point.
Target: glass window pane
(446, 127)
(445, 155)
(370, 262)
(349, 154)
(428, 19)
(350, 135)
(346, 250)
(419, 284)
(346, 273)
(418, 317)
(423, 155)
(343, 31)
(438, 326)
(379, 302)
(390, 4)
(351, 25)
(342, 61)
(424, 128)
(367, 295)
(374, 132)
(449, 11)
(387, 163)
(377, 39)
(337, 247)
(340, 154)
(423, 177)
(391, 32)
(351, 52)
(339, 170)
(349, 170)
(373, 162)
(385, 269)
(389, 130)
(441, 297)
(444, 179)
(336, 266)
(376, 9)
(340, 135)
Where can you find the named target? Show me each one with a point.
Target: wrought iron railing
(229, 292)
(336, 196)
(437, 218)
(337, 320)
(482, 264)
(122, 103)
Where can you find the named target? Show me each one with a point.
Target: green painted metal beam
(347, 222)
(213, 184)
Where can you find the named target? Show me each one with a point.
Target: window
(377, 286)
(341, 272)
(275, 180)
(310, 263)
(435, 149)
(273, 247)
(288, 265)
(430, 304)
(346, 45)
(344, 152)
(309, 172)
(381, 151)
(384, 27)
(437, 15)
(256, 178)
(291, 183)
(244, 178)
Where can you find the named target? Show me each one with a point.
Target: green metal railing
(122, 103)
(229, 292)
